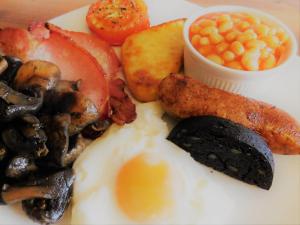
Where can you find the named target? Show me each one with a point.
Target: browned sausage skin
(184, 97)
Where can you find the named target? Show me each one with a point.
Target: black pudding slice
(227, 147)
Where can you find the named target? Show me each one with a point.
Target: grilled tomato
(114, 20)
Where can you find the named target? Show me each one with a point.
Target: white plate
(280, 205)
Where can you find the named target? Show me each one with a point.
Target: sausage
(184, 97)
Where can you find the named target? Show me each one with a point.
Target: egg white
(196, 197)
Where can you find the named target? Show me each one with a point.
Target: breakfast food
(150, 56)
(98, 48)
(8, 68)
(42, 119)
(50, 108)
(142, 178)
(114, 21)
(122, 108)
(59, 186)
(69, 63)
(132, 174)
(45, 42)
(227, 147)
(239, 40)
(185, 97)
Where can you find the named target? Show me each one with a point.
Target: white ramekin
(236, 81)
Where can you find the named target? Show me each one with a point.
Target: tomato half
(115, 20)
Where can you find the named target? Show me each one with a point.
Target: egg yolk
(142, 188)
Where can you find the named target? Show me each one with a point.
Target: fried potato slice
(150, 56)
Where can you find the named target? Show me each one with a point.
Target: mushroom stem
(17, 104)
(75, 151)
(47, 188)
(63, 149)
(3, 64)
(13, 195)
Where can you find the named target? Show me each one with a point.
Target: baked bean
(255, 44)
(268, 63)
(205, 50)
(207, 23)
(264, 53)
(237, 47)
(243, 25)
(215, 58)
(222, 47)
(204, 41)
(234, 65)
(244, 37)
(209, 30)
(228, 56)
(216, 38)
(250, 60)
(262, 30)
(223, 18)
(272, 41)
(196, 40)
(231, 36)
(225, 26)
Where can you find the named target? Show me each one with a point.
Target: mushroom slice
(20, 166)
(83, 113)
(14, 104)
(61, 98)
(63, 149)
(10, 73)
(52, 187)
(65, 99)
(37, 73)
(32, 129)
(56, 128)
(25, 136)
(15, 141)
(3, 64)
(50, 210)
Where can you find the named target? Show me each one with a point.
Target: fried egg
(133, 175)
